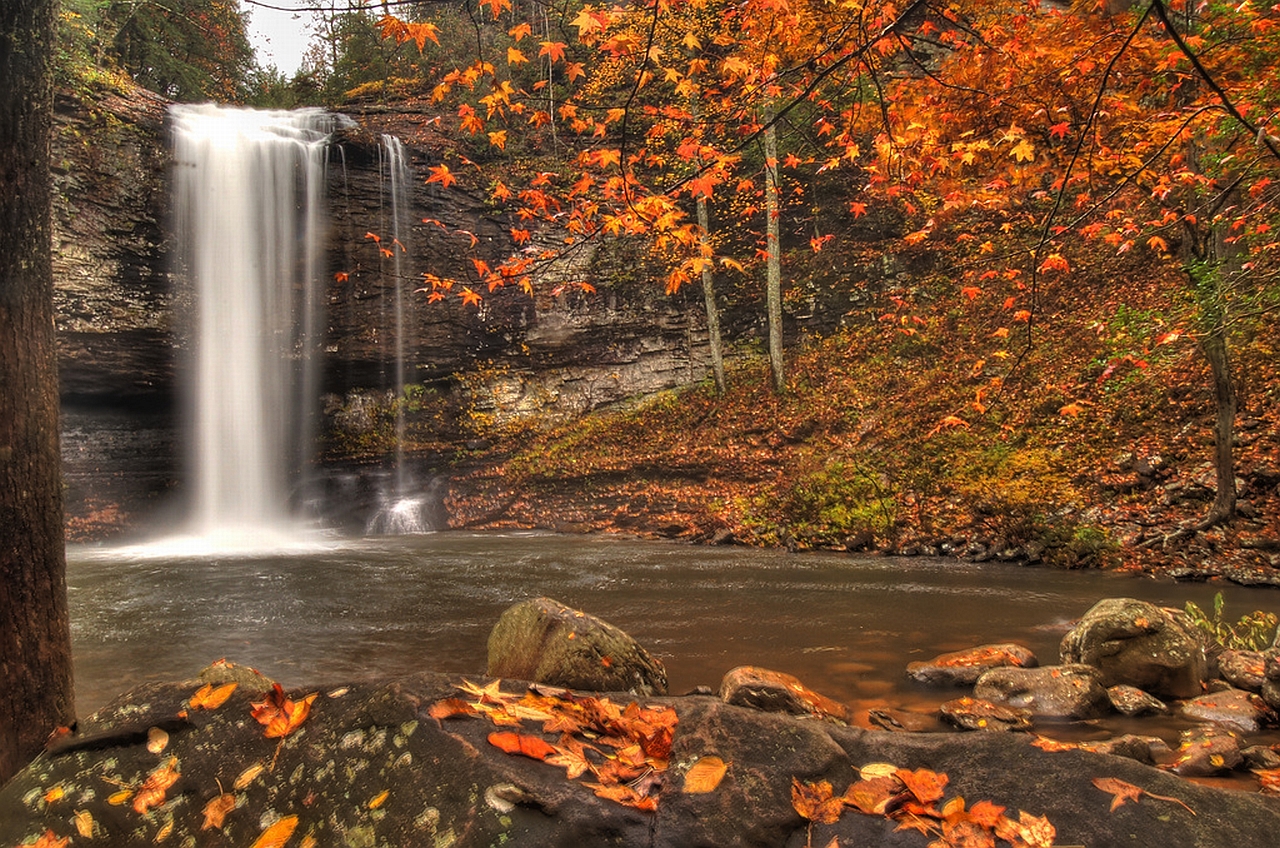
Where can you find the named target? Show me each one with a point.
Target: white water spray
(248, 189)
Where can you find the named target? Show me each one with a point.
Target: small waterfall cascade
(399, 511)
(248, 204)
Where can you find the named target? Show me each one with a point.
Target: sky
(279, 38)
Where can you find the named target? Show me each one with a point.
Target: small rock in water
(1235, 708)
(1207, 750)
(1243, 669)
(1132, 701)
(774, 691)
(1055, 692)
(963, 668)
(975, 714)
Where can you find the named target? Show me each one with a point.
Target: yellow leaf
(1023, 151)
(246, 777)
(84, 823)
(207, 697)
(121, 797)
(278, 834)
(379, 799)
(704, 775)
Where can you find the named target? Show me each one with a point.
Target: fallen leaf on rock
(246, 777)
(1027, 832)
(871, 770)
(121, 797)
(451, 708)
(816, 801)
(48, 839)
(207, 697)
(876, 796)
(1268, 780)
(534, 747)
(54, 794)
(926, 785)
(278, 834)
(704, 775)
(280, 714)
(378, 800)
(571, 755)
(623, 794)
(1124, 791)
(84, 823)
(152, 791)
(216, 810)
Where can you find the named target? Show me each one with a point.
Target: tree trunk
(35, 639)
(1224, 395)
(709, 297)
(773, 264)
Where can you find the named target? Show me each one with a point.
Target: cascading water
(248, 195)
(398, 512)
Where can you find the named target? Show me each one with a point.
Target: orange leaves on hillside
(281, 715)
(911, 797)
(624, 750)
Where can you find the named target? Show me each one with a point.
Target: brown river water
(345, 610)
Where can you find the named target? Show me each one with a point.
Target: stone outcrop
(1054, 692)
(547, 642)
(370, 766)
(1140, 644)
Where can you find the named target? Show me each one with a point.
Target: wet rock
(1056, 692)
(904, 721)
(545, 641)
(1243, 669)
(975, 714)
(1207, 750)
(1135, 642)
(963, 668)
(246, 679)
(371, 767)
(1235, 708)
(776, 692)
(1260, 757)
(1132, 701)
(1143, 749)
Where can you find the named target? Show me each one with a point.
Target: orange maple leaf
(282, 715)
(441, 174)
(152, 791)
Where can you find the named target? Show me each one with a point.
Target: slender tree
(35, 638)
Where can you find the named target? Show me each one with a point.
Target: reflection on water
(384, 606)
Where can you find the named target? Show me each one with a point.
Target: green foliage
(1253, 632)
(840, 501)
(186, 50)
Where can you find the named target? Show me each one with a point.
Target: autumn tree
(35, 640)
(186, 50)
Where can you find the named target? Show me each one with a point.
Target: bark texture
(35, 640)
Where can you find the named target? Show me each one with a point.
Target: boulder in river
(1243, 669)
(1132, 701)
(547, 642)
(963, 668)
(1066, 692)
(1129, 641)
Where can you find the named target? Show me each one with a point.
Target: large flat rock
(370, 766)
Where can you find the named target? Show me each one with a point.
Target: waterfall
(398, 512)
(248, 196)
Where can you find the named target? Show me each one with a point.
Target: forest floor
(1090, 446)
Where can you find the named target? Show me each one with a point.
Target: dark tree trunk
(1224, 394)
(35, 639)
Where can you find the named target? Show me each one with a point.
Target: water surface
(344, 611)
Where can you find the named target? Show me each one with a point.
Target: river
(341, 611)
